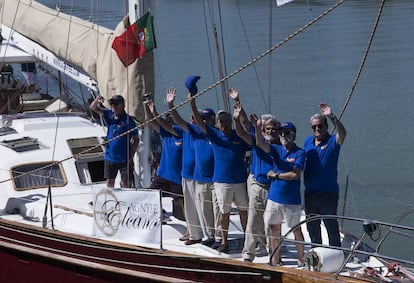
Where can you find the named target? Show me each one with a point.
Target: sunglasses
(319, 126)
(285, 133)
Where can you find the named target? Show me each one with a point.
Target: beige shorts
(276, 212)
(229, 193)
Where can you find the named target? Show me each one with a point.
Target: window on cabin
(89, 159)
(38, 175)
(90, 171)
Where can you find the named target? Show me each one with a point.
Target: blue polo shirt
(204, 156)
(117, 150)
(282, 191)
(321, 170)
(171, 156)
(229, 153)
(261, 163)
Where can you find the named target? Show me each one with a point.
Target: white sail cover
(86, 46)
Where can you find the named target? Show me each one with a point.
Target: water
(318, 65)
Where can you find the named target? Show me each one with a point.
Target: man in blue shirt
(320, 175)
(258, 183)
(230, 174)
(284, 199)
(122, 139)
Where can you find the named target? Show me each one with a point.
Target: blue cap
(116, 99)
(207, 112)
(287, 126)
(190, 84)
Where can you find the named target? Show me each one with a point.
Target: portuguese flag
(137, 40)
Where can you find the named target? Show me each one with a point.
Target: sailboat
(52, 187)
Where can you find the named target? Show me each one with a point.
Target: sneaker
(261, 251)
(185, 237)
(223, 249)
(209, 242)
(165, 219)
(215, 245)
(192, 242)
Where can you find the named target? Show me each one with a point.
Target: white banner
(132, 216)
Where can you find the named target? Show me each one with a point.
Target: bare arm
(94, 106)
(174, 113)
(260, 142)
(161, 122)
(197, 117)
(327, 111)
(234, 94)
(148, 105)
(240, 130)
(287, 176)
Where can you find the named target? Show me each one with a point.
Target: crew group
(212, 175)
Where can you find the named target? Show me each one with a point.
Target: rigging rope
(209, 47)
(139, 125)
(266, 105)
(364, 58)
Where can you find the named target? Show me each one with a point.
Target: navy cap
(287, 126)
(116, 99)
(190, 84)
(207, 112)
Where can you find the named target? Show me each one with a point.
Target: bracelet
(277, 176)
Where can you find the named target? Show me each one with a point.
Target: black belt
(261, 184)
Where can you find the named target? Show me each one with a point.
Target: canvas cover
(86, 46)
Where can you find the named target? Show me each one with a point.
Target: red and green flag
(137, 40)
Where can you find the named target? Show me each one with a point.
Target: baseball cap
(207, 112)
(287, 126)
(116, 99)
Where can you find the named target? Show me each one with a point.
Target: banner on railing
(129, 215)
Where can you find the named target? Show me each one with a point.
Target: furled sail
(86, 46)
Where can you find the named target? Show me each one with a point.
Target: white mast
(136, 11)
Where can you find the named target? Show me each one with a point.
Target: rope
(209, 48)
(261, 56)
(364, 58)
(266, 105)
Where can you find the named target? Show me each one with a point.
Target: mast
(136, 10)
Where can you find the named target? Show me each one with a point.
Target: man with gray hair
(320, 175)
(258, 183)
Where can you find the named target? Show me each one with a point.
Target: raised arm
(197, 117)
(341, 131)
(234, 94)
(240, 130)
(174, 113)
(148, 110)
(260, 142)
(94, 106)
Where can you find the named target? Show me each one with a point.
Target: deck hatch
(7, 131)
(22, 144)
(82, 144)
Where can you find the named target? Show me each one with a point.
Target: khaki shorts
(276, 212)
(228, 193)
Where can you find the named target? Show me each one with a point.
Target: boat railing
(357, 246)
